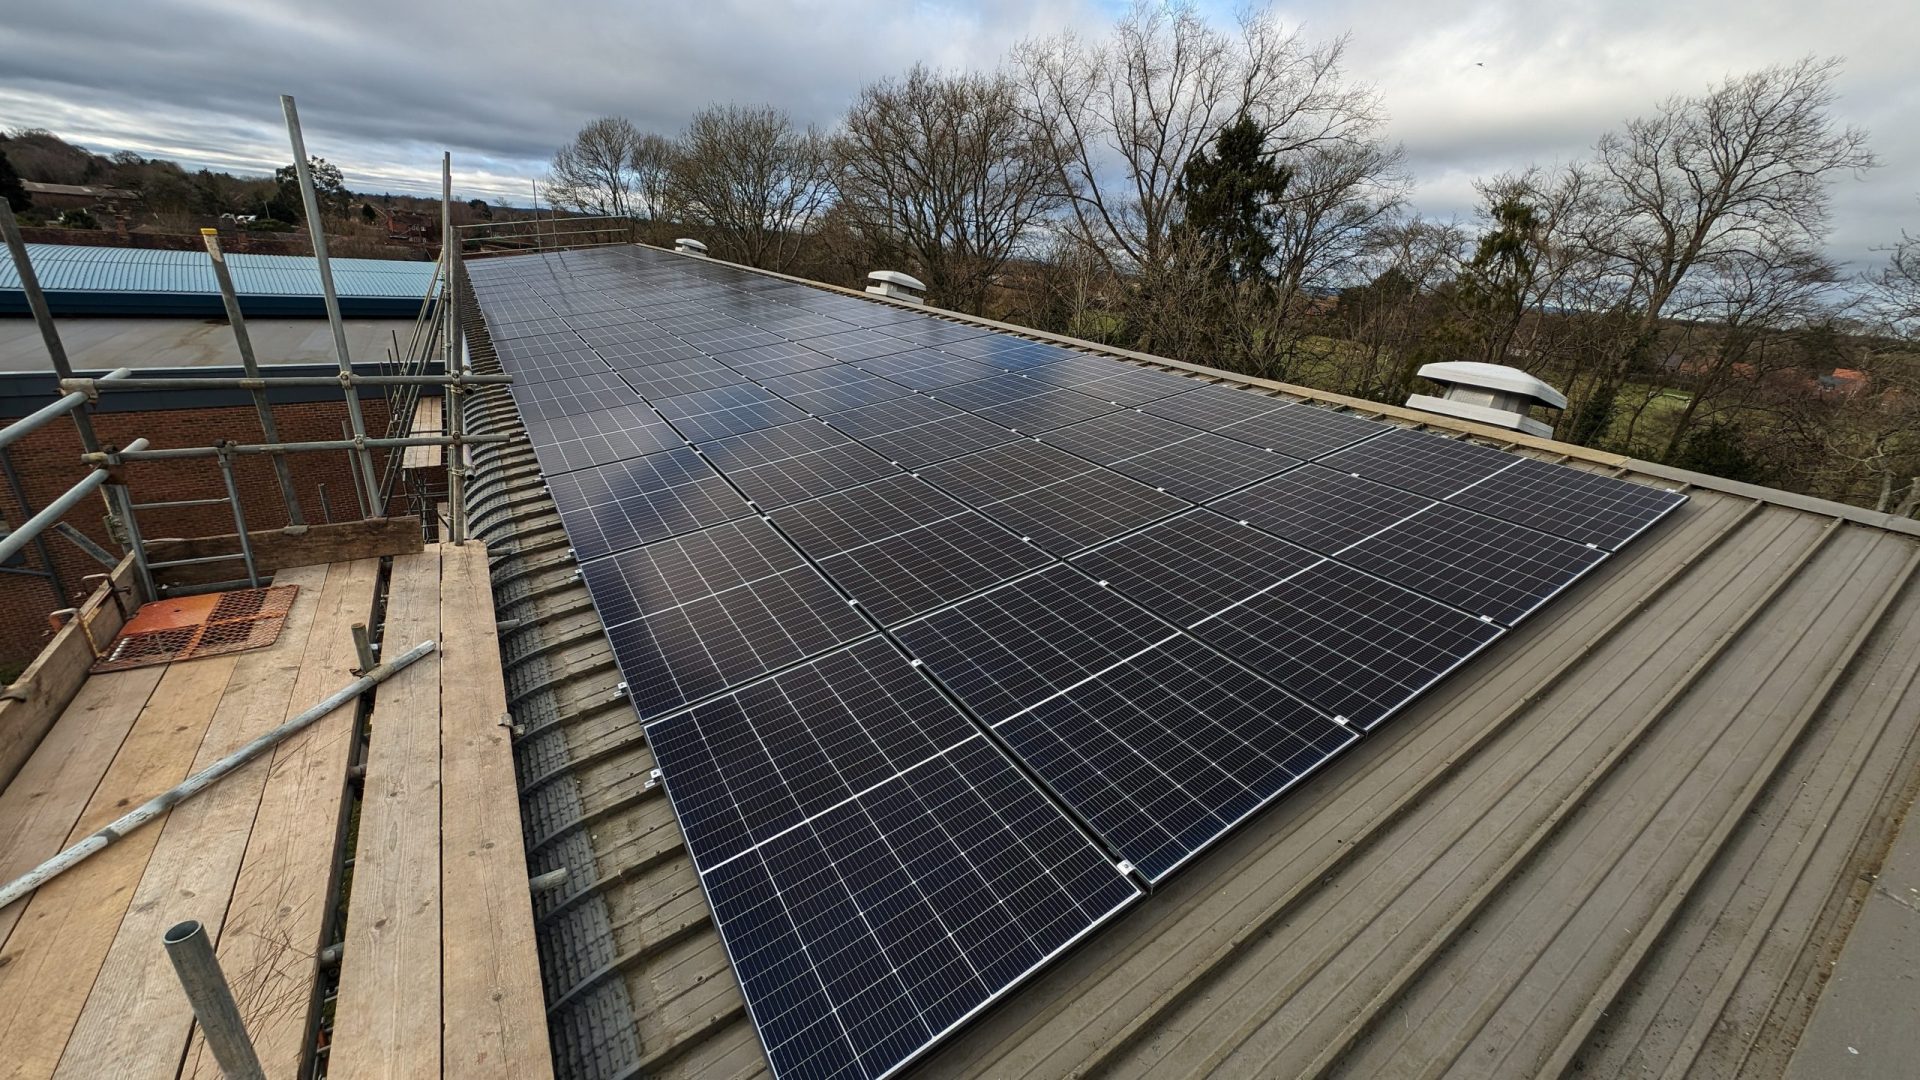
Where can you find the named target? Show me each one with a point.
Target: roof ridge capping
(1857, 515)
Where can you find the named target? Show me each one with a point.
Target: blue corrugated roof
(140, 281)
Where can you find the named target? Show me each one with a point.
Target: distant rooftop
(107, 343)
(85, 280)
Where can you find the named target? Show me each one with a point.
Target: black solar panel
(1303, 431)
(1158, 742)
(968, 879)
(1424, 464)
(1581, 506)
(1353, 646)
(1478, 564)
(621, 505)
(728, 410)
(878, 869)
(1320, 509)
(566, 443)
(674, 654)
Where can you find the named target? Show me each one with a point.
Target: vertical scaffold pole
(248, 361)
(454, 349)
(316, 228)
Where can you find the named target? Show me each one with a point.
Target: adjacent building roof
(1630, 839)
(102, 344)
(86, 280)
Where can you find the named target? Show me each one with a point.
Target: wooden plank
(278, 549)
(34, 700)
(387, 1017)
(427, 420)
(496, 1023)
(48, 965)
(272, 937)
(136, 1021)
(39, 809)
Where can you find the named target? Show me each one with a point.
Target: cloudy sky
(1474, 87)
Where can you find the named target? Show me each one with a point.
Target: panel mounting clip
(619, 691)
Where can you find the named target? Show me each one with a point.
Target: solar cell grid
(923, 369)
(657, 347)
(913, 572)
(1424, 464)
(680, 377)
(681, 569)
(1319, 508)
(552, 368)
(1195, 565)
(1171, 748)
(769, 361)
(851, 346)
(772, 444)
(1014, 646)
(588, 393)
(1203, 467)
(1581, 506)
(573, 442)
(1075, 514)
(837, 389)
(1002, 471)
(821, 472)
(612, 507)
(1117, 436)
(896, 415)
(701, 647)
(1210, 408)
(1046, 411)
(1136, 387)
(1479, 564)
(1353, 646)
(864, 515)
(927, 443)
(727, 410)
(1303, 431)
(722, 340)
(984, 393)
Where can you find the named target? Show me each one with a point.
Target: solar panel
(1479, 564)
(620, 505)
(1351, 645)
(1159, 743)
(1424, 464)
(1070, 515)
(728, 410)
(724, 628)
(968, 879)
(1580, 506)
(1183, 668)
(1320, 509)
(1195, 565)
(864, 515)
(1303, 431)
(566, 443)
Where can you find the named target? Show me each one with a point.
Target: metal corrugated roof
(139, 281)
(1629, 840)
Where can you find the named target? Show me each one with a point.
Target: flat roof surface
(1633, 837)
(106, 343)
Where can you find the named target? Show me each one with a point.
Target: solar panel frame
(1424, 464)
(1304, 431)
(623, 504)
(1584, 507)
(1481, 565)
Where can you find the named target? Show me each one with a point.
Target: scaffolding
(436, 333)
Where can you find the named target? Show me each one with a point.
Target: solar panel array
(950, 643)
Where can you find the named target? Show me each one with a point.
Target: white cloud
(1474, 88)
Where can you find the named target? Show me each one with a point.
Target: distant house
(76, 196)
(410, 225)
(1844, 382)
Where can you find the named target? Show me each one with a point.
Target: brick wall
(48, 462)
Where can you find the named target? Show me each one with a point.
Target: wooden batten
(35, 699)
(279, 549)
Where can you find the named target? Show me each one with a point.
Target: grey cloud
(383, 87)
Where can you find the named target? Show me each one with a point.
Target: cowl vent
(1488, 394)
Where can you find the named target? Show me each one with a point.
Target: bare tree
(651, 162)
(754, 178)
(1132, 110)
(595, 172)
(1339, 195)
(1744, 168)
(948, 174)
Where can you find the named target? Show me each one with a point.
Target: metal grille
(194, 626)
